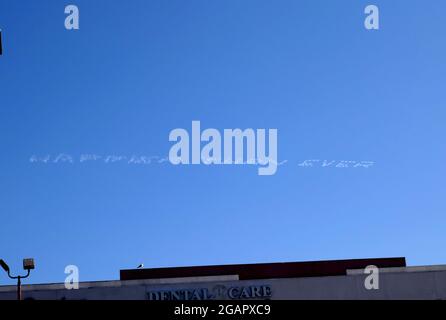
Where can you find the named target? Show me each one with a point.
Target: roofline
(265, 270)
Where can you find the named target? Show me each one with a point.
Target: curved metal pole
(19, 283)
(21, 277)
(19, 289)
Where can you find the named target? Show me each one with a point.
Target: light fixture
(28, 265)
(4, 265)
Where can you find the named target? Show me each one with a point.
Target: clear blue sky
(137, 69)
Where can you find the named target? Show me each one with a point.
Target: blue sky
(137, 69)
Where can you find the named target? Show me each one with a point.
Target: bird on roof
(140, 266)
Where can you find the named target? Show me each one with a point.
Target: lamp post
(1, 46)
(28, 265)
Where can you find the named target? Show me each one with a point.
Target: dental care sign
(218, 292)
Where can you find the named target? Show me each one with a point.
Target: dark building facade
(338, 279)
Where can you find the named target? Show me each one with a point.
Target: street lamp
(28, 265)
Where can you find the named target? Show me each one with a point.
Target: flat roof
(265, 270)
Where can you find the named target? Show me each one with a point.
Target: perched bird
(140, 266)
